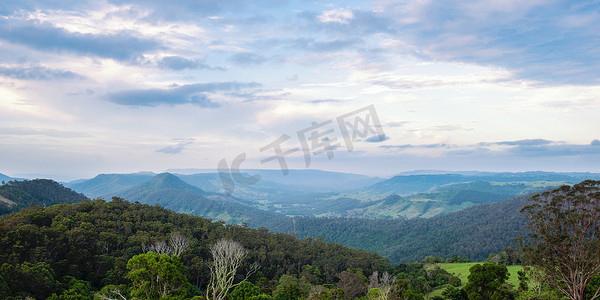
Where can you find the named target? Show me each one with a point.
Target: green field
(462, 271)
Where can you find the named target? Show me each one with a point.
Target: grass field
(462, 271)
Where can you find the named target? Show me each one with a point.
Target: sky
(89, 87)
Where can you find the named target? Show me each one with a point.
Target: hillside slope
(474, 232)
(171, 192)
(16, 195)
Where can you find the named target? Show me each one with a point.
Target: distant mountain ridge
(173, 193)
(336, 194)
(6, 178)
(104, 184)
(409, 184)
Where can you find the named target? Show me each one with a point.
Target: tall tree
(227, 257)
(564, 237)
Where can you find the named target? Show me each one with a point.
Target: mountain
(315, 180)
(108, 184)
(6, 178)
(173, 193)
(474, 232)
(441, 200)
(410, 184)
(17, 195)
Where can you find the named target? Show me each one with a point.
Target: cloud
(12, 131)
(336, 15)
(314, 45)
(411, 146)
(535, 39)
(344, 23)
(37, 73)
(377, 139)
(326, 101)
(176, 149)
(397, 123)
(179, 63)
(185, 94)
(124, 45)
(247, 59)
(527, 142)
(555, 150)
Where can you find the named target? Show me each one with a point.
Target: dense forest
(46, 251)
(474, 232)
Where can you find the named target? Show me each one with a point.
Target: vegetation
(474, 232)
(564, 241)
(96, 246)
(16, 195)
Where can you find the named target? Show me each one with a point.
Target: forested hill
(46, 250)
(171, 192)
(16, 195)
(474, 232)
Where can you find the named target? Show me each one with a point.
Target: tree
(178, 243)
(155, 276)
(486, 281)
(290, 288)
(244, 291)
(383, 284)
(351, 283)
(563, 242)
(227, 258)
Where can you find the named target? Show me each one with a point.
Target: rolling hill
(411, 184)
(107, 184)
(16, 195)
(173, 193)
(474, 232)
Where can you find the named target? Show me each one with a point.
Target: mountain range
(404, 218)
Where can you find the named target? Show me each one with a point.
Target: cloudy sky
(117, 86)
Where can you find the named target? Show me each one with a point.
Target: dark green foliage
(290, 287)
(474, 232)
(454, 281)
(244, 291)
(453, 293)
(76, 290)
(155, 276)
(26, 279)
(92, 241)
(486, 281)
(16, 195)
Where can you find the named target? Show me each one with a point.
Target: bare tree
(159, 247)
(178, 243)
(564, 239)
(227, 258)
(351, 283)
(383, 283)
